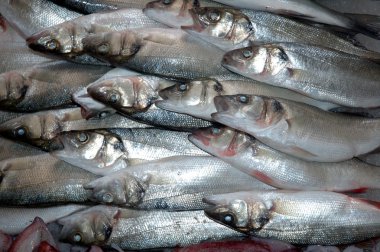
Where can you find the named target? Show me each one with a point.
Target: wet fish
(175, 183)
(281, 170)
(308, 10)
(42, 179)
(169, 53)
(298, 217)
(15, 219)
(66, 39)
(298, 67)
(12, 149)
(175, 13)
(196, 98)
(298, 129)
(232, 29)
(45, 86)
(30, 16)
(134, 230)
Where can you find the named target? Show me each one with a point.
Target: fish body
(176, 183)
(297, 217)
(136, 229)
(196, 98)
(298, 129)
(294, 66)
(41, 179)
(13, 149)
(281, 170)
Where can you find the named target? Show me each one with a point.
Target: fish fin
(370, 202)
(295, 14)
(364, 112)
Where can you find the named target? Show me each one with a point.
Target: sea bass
(281, 170)
(297, 217)
(175, 183)
(136, 229)
(298, 129)
(298, 67)
(196, 98)
(13, 149)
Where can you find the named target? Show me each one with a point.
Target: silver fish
(169, 53)
(281, 170)
(65, 39)
(12, 149)
(134, 230)
(45, 86)
(175, 13)
(175, 183)
(298, 217)
(196, 98)
(42, 179)
(299, 129)
(13, 220)
(298, 67)
(305, 9)
(232, 29)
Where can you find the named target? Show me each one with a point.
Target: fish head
(93, 150)
(259, 62)
(61, 39)
(221, 141)
(120, 189)
(226, 28)
(196, 96)
(126, 94)
(173, 13)
(248, 112)
(235, 211)
(114, 47)
(13, 88)
(87, 227)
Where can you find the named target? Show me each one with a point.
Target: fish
(65, 40)
(13, 149)
(174, 183)
(231, 29)
(372, 158)
(42, 179)
(7, 115)
(308, 10)
(170, 53)
(196, 97)
(30, 16)
(45, 86)
(5, 241)
(298, 129)
(175, 13)
(137, 229)
(33, 236)
(291, 66)
(283, 171)
(297, 217)
(89, 7)
(14, 220)
(352, 6)
(128, 94)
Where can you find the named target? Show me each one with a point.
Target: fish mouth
(197, 25)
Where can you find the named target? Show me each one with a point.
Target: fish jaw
(13, 88)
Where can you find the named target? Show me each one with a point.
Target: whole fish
(291, 66)
(166, 52)
(232, 29)
(305, 9)
(196, 98)
(175, 13)
(298, 129)
(281, 170)
(45, 86)
(15, 219)
(42, 179)
(30, 16)
(65, 39)
(91, 6)
(175, 183)
(13, 149)
(135, 230)
(297, 217)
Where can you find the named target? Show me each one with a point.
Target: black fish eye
(52, 44)
(228, 218)
(182, 87)
(104, 48)
(20, 132)
(166, 2)
(215, 131)
(82, 137)
(214, 16)
(77, 237)
(114, 98)
(247, 53)
(242, 99)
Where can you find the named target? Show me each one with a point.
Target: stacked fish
(281, 98)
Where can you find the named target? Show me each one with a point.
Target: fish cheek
(13, 90)
(259, 215)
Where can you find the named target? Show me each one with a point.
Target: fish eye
(108, 198)
(242, 99)
(182, 87)
(214, 16)
(52, 44)
(20, 132)
(77, 237)
(82, 137)
(103, 114)
(104, 48)
(167, 2)
(215, 131)
(276, 106)
(114, 98)
(228, 218)
(247, 53)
